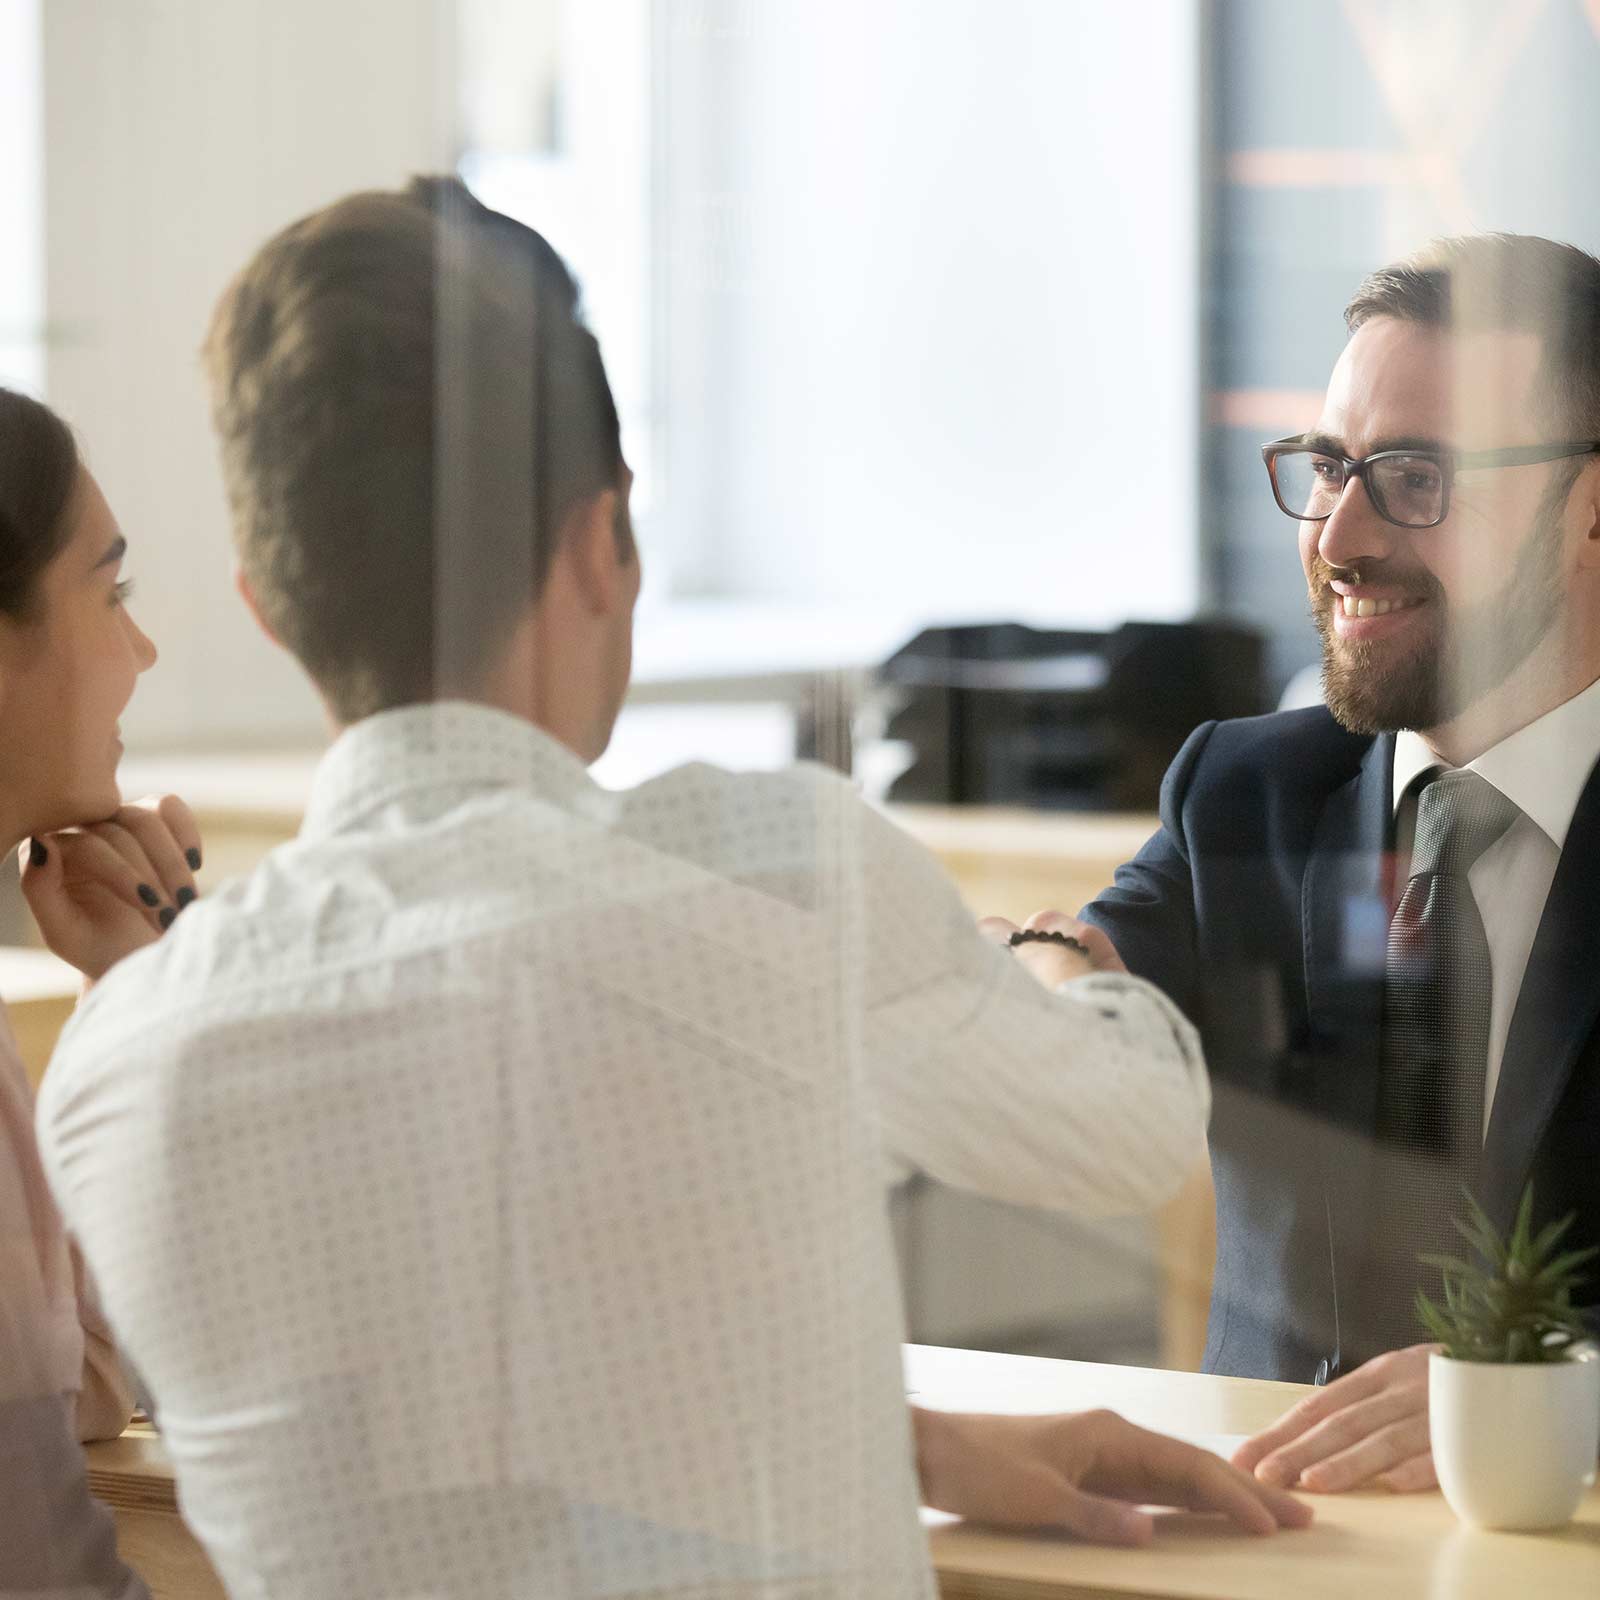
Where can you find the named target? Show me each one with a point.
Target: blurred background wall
(177, 136)
(901, 300)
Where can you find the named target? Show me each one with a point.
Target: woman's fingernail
(37, 854)
(193, 858)
(183, 897)
(168, 916)
(149, 896)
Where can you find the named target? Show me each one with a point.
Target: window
(555, 112)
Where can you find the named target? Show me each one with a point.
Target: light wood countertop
(1363, 1546)
(1374, 1546)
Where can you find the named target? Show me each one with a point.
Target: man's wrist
(1052, 965)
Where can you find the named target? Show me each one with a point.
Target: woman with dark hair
(102, 879)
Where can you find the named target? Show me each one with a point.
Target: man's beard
(1457, 658)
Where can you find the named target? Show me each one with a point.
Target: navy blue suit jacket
(1261, 907)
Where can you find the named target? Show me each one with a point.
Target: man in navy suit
(1385, 915)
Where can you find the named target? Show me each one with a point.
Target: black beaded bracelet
(1039, 936)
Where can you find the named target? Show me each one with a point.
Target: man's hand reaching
(1089, 1473)
(1369, 1427)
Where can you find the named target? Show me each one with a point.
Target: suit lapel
(1345, 906)
(1555, 1013)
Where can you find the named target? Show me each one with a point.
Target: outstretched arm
(1091, 1473)
(1088, 1095)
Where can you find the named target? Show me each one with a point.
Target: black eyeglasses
(1410, 488)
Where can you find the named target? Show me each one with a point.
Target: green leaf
(1522, 1228)
(1564, 1268)
(1438, 1325)
(1551, 1233)
(1479, 1232)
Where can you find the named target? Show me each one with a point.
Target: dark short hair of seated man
(409, 404)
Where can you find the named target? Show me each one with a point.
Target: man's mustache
(1414, 583)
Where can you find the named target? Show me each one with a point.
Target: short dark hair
(409, 406)
(38, 473)
(1512, 281)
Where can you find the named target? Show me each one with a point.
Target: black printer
(1004, 714)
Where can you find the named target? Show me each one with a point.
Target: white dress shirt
(1542, 770)
(490, 1187)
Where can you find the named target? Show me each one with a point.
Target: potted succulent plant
(1514, 1396)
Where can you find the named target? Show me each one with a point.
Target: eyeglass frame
(1449, 463)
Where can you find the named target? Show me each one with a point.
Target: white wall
(21, 198)
(179, 134)
(932, 288)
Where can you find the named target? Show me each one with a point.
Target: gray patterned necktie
(1435, 1051)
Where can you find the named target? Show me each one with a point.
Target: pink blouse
(60, 1381)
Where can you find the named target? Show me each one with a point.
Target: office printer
(1003, 714)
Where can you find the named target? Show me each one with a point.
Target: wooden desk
(1377, 1546)
(1373, 1546)
(133, 1476)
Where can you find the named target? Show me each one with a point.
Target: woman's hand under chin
(103, 890)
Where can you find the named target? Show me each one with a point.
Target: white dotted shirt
(491, 1187)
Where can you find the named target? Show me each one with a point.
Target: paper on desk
(1219, 1444)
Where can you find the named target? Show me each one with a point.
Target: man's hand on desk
(1371, 1426)
(1088, 1473)
(1052, 964)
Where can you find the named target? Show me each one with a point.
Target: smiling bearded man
(1454, 658)
(1397, 652)
(1379, 913)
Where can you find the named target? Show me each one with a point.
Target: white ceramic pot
(1515, 1446)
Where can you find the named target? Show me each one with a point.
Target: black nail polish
(168, 916)
(149, 896)
(37, 854)
(183, 897)
(193, 858)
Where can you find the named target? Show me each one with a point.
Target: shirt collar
(1541, 769)
(443, 745)
(1412, 758)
